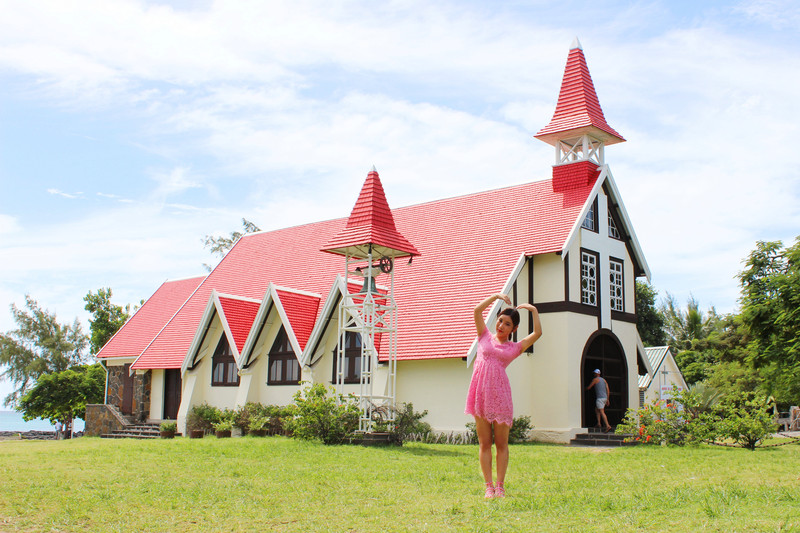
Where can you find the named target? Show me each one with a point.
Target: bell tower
(578, 130)
(370, 244)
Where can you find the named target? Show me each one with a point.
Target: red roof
(301, 310)
(239, 315)
(134, 336)
(469, 246)
(578, 110)
(370, 223)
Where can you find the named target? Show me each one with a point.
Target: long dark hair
(512, 313)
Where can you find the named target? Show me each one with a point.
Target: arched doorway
(604, 351)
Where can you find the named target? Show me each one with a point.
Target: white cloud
(70, 196)
(276, 110)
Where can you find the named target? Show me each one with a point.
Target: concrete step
(135, 431)
(597, 437)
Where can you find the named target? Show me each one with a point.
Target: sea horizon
(13, 421)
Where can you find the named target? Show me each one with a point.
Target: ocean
(12, 421)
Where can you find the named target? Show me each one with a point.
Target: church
(298, 305)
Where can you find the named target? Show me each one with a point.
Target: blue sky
(129, 130)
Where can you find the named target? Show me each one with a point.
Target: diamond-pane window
(615, 272)
(588, 278)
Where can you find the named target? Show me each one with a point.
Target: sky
(129, 130)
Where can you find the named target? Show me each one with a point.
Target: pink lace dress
(489, 393)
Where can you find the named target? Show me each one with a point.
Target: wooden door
(127, 391)
(172, 393)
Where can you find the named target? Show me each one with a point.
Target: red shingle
(134, 336)
(469, 246)
(239, 315)
(370, 222)
(578, 106)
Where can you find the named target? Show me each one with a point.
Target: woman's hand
(529, 307)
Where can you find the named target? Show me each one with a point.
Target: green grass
(280, 484)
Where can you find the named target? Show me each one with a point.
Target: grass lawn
(280, 484)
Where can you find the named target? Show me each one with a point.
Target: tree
(649, 321)
(39, 346)
(221, 245)
(62, 396)
(684, 327)
(106, 319)
(771, 313)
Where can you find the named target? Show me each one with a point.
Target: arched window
(224, 372)
(284, 368)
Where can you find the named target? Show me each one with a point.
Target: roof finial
(576, 44)
(374, 169)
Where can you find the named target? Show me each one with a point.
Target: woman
(489, 397)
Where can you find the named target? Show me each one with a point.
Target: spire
(578, 111)
(371, 225)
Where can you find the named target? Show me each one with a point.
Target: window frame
(616, 280)
(594, 280)
(352, 359)
(223, 358)
(591, 221)
(282, 355)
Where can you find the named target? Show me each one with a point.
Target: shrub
(202, 416)
(168, 426)
(408, 422)
(748, 419)
(697, 415)
(520, 427)
(321, 414)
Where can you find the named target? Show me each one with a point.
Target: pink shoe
(499, 491)
(489, 491)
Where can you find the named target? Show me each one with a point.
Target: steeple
(578, 129)
(370, 226)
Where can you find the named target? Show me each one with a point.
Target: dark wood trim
(567, 307)
(623, 317)
(566, 277)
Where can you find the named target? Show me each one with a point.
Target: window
(284, 368)
(615, 271)
(590, 222)
(613, 231)
(588, 278)
(352, 359)
(224, 372)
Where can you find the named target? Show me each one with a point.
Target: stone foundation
(141, 391)
(102, 419)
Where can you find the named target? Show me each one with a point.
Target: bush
(321, 414)
(699, 415)
(202, 417)
(748, 420)
(520, 427)
(258, 417)
(168, 426)
(407, 422)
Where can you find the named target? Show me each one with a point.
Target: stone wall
(141, 391)
(141, 396)
(101, 419)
